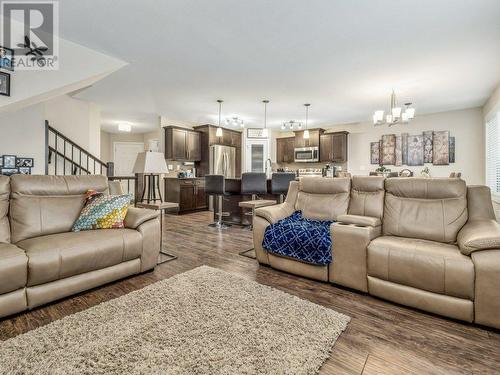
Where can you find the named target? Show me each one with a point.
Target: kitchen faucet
(270, 165)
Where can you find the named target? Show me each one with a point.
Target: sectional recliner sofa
(428, 243)
(41, 260)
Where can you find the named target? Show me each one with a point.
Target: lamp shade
(150, 162)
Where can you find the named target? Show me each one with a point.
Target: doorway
(257, 153)
(124, 155)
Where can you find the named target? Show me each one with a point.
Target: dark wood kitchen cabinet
(189, 193)
(182, 144)
(285, 150)
(312, 141)
(333, 147)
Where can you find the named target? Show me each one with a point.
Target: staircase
(65, 157)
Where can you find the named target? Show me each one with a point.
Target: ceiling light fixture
(235, 121)
(265, 132)
(291, 125)
(218, 132)
(395, 114)
(124, 127)
(306, 132)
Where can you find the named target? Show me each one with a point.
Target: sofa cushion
(42, 205)
(432, 209)
(323, 198)
(427, 265)
(4, 209)
(102, 212)
(58, 256)
(13, 268)
(367, 196)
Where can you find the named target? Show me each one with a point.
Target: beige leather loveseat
(431, 244)
(41, 260)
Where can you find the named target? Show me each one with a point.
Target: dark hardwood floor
(382, 338)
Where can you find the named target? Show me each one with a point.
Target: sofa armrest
(136, 216)
(365, 221)
(479, 235)
(275, 213)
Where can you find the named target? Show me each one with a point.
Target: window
(493, 154)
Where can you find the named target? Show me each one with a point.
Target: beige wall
(465, 125)
(108, 139)
(77, 119)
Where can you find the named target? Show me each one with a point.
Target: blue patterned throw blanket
(300, 238)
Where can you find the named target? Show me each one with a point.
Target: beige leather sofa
(432, 244)
(41, 260)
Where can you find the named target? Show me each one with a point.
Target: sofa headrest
(57, 185)
(317, 185)
(4, 185)
(368, 183)
(426, 188)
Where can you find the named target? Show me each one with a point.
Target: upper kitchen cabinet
(182, 144)
(312, 141)
(333, 147)
(285, 150)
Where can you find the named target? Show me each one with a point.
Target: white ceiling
(343, 57)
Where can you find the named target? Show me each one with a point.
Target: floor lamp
(151, 164)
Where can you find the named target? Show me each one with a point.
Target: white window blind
(493, 154)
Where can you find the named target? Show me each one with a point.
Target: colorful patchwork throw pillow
(102, 211)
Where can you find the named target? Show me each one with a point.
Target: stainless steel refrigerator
(223, 160)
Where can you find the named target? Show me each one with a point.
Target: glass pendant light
(306, 132)
(218, 132)
(265, 132)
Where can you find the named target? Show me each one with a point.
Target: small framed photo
(6, 58)
(24, 162)
(9, 161)
(1, 161)
(9, 171)
(4, 84)
(24, 170)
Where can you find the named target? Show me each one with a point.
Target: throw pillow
(102, 212)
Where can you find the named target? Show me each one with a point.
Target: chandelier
(291, 125)
(235, 121)
(395, 114)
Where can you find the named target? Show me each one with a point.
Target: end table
(160, 206)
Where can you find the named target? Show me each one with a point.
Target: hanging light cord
(220, 109)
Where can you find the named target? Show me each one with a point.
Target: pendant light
(218, 132)
(265, 132)
(306, 132)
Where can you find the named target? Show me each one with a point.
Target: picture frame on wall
(4, 84)
(375, 153)
(388, 152)
(25, 162)
(428, 146)
(24, 170)
(452, 149)
(399, 151)
(9, 171)
(6, 58)
(441, 148)
(415, 150)
(9, 161)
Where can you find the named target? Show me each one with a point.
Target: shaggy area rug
(205, 321)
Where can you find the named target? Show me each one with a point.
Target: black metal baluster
(55, 159)
(64, 157)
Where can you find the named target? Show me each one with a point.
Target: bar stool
(216, 186)
(280, 182)
(254, 183)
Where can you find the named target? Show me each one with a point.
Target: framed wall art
(415, 150)
(375, 153)
(441, 148)
(388, 151)
(428, 146)
(4, 84)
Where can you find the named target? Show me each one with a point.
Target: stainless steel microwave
(306, 154)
